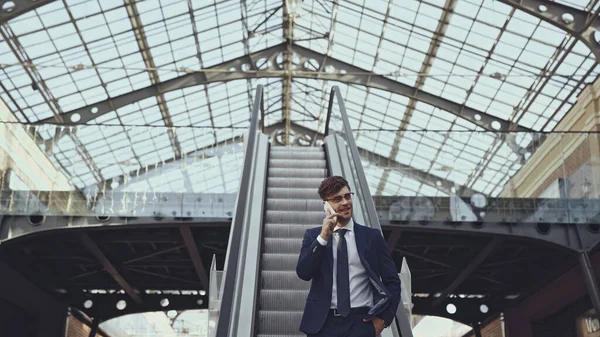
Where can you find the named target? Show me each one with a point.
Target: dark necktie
(343, 276)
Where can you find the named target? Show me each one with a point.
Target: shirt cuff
(321, 241)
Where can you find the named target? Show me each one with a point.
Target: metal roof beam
(144, 47)
(38, 82)
(428, 179)
(393, 239)
(20, 7)
(443, 264)
(136, 259)
(224, 72)
(344, 72)
(93, 248)
(192, 248)
(468, 269)
(580, 24)
(434, 46)
(381, 161)
(583, 25)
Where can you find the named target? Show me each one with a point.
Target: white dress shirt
(360, 289)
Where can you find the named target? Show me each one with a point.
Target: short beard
(344, 219)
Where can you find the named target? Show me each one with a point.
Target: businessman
(355, 288)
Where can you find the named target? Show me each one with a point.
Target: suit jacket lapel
(361, 240)
(362, 246)
(330, 258)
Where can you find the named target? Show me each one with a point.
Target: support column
(94, 327)
(590, 281)
(477, 329)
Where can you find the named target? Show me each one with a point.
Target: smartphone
(329, 210)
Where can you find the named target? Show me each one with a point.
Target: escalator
(293, 206)
(277, 203)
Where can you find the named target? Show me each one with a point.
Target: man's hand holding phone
(329, 222)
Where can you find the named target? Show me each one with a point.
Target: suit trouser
(351, 326)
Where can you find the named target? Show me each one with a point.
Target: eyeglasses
(338, 199)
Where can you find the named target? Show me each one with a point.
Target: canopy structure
(434, 88)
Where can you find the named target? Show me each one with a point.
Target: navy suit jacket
(316, 263)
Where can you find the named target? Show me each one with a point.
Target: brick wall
(575, 167)
(491, 329)
(77, 328)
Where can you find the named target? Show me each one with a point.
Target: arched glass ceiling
(481, 54)
(451, 49)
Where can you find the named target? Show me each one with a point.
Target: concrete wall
(45, 314)
(20, 153)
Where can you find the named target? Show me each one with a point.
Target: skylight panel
(52, 14)
(81, 9)
(549, 34)
(404, 155)
(427, 152)
(522, 24)
(392, 120)
(35, 38)
(401, 182)
(21, 27)
(411, 61)
(368, 121)
(174, 9)
(373, 174)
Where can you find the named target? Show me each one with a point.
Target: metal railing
(337, 123)
(238, 234)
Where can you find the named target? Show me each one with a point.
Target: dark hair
(331, 186)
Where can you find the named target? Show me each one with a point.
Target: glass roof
(484, 55)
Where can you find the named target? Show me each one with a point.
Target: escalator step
(299, 173)
(292, 193)
(294, 204)
(279, 322)
(273, 230)
(295, 183)
(283, 217)
(283, 300)
(282, 280)
(282, 245)
(281, 262)
(298, 155)
(297, 164)
(297, 149)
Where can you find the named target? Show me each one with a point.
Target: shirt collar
(349, 226)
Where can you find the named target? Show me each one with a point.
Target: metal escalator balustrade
(292, 207)
(276, 204)
(344, 159)
(240, 274)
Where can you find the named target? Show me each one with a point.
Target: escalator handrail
(238, 223)
(365, 193)
(372, 216)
